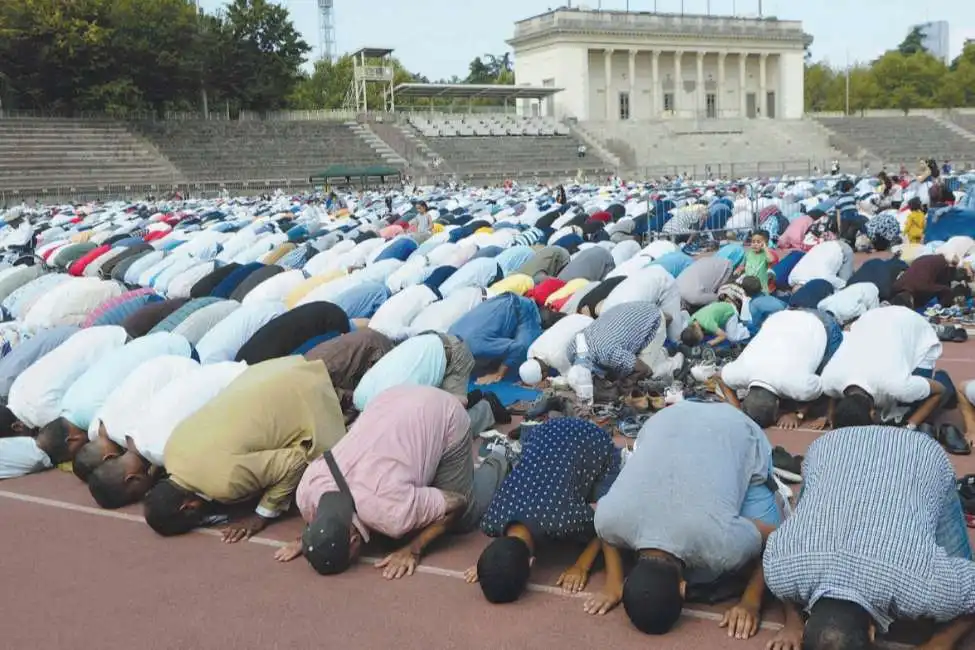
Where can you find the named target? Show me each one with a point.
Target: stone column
(762, 84)
(742, 62)
(608, 62)
(655, 94)
(701, 100)
(633, 54)
(719, 103)
(678, 82)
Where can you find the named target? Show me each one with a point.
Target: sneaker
(506, 448)
(786, 466)
(674, 394)
(703, 372)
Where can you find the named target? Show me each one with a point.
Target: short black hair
(690, 336)
(107, 485)
(87, 460)
(751, 285)
(761, 405)
(7, 421)
(164, 513)
(763, 234)
(837, 625)
(853, 410)
(903, 299)
(914, 204)
(503, 568)
(550, 317)
(880, 243)
(651, 595)
(53, 439)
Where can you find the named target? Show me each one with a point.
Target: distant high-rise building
(936, 39)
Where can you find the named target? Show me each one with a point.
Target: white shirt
(413, 272)
(822, 262)
(69, 302)
(880, 353)
(956, 248)
(394, 316)
(550, 348)
(35, 396)
(625, 250)
(658, 248)
(275, 288)
(630, 266)
(126, 405)
(852, 302)
(439, 316)
(782, 358)
(326, 292)
(181, 285)
(175, 402)
(651, 284)
(226, 338)
(21, 456)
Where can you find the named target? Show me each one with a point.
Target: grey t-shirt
(683, 488)
(699, 283)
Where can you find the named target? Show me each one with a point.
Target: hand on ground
(238, 531)
(288, 553)
(742, 621)
(489, 379)
(470, 575)
(602, 602)
(785, 639)
(573, 580)
(788, 421)
(398, 564)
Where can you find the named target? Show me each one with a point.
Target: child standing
(758, 257)
(914, 227)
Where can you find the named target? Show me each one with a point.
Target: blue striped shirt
(879, 524)
(618, 336)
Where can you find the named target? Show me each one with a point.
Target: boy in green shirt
(757, 258)
(710, 319)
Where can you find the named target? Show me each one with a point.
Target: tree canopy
(122, 56)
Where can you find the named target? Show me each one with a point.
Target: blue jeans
(761, 307)
(834, 336)
(952, 532)
(760, 503)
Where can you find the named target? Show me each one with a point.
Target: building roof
(372, 52)
(474, 91)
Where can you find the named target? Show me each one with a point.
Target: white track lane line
(264, 541)
(689, 612)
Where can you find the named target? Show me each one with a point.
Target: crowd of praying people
(350, 359)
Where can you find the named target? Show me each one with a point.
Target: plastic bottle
(581, 376)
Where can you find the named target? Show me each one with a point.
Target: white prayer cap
(531, 372)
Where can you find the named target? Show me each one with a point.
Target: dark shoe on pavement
(787, 467)
(953, 440)
(474, 397)
(501, 415)
(928, 430)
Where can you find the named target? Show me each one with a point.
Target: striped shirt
(617, 337)
(891, 546)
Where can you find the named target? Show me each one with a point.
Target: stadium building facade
(617, 65)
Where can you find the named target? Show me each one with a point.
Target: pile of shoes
(966, 494)
(786, 466)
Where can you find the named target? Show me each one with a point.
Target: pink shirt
(391, 231)
(389, 458)
(794, 234)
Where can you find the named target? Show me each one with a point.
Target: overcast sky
(438, 38)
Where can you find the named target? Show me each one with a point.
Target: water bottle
(580, 375)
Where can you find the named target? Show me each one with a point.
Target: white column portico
(699, 86)
(742, 62)
(632, 78)
(655, 95)
(719, 103)
(608, 63)
(678, 82)
(763, 85)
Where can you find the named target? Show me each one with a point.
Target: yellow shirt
(258, 435)
(312, 283)
(518, 284)
(570, 288)
(277, 253)
(914, 227)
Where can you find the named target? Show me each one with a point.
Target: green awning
(343, 171)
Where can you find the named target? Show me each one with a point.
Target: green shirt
(714, 317)
(757, 264)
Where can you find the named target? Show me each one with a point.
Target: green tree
(265, 54)
(821, 88)
(913, 42)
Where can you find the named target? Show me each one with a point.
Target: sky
(439, 38)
